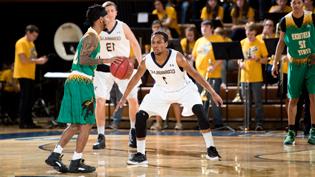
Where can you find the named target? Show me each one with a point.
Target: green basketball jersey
(86, 69)
(300, 41)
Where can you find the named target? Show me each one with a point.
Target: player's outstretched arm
(132, 83)
(133, 42)
(89, 44)
(182, 62)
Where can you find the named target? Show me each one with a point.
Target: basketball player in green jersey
(298, 34)
(77, 107)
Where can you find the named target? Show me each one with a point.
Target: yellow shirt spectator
(206, 16)
(183, 43)
(285, 64)
(240, 18)
(262, 37)
(277, 9)
(24, 70)
(203, 54)
(252, 71)
(10, 84)
(168, 13)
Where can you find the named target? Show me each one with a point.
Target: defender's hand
(121, 103)
(217, 99)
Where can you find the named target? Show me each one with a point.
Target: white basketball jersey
(168, 77)
(114, 42)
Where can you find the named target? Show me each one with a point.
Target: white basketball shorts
(104, 81)
(157, 102)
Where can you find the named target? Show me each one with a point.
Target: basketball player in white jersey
(116, 40)
(172, 85)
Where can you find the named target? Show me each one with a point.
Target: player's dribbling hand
(217, 99)
(121, 103)
(116, 60)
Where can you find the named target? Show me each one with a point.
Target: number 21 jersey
(114, 42)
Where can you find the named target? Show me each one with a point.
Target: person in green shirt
(77, 107)
(298, 34)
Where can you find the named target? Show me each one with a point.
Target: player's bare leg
(133, 108)
(100, 122)
(140, 158)
(77, 163)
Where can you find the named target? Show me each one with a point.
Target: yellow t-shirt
(24, 70)
(252, 71)
(260, 37)
(275, 9)
(171, 13)
(205, 16)
(250, 15)
(7, 77)
(285, 65)
(203, 54)
(183, 43)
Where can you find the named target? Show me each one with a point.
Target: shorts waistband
(308, 60)
(85, 76)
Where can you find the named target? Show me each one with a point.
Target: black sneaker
(132, 138)
(100, 144)
(78, 166)
(54, 160)
(259, 128)
(138, 159)
(213, 153)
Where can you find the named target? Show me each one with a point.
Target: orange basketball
(123, 70)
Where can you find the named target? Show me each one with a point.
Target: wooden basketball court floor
(170, 153)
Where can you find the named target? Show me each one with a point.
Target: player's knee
(201, 116)
(141, 122)
(293, 102)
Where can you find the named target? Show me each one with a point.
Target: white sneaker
(178, 126)
(156, 126)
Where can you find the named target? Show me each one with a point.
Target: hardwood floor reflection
(169, 154)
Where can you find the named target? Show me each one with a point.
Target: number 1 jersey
(169, 77)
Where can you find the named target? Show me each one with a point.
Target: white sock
(77, 156)
(141, 146)
(101, 130)
(208, 139)
(132, 124)
(58, 149)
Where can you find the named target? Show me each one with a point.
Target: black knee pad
(141, 123)
(201, 116)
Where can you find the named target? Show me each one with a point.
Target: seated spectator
(212, 10)
(242, 13)
(188, 42)
(157, 26)
(281, 7)
(10, 94)
(268, 30)
(309, 5)
(167, 15)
